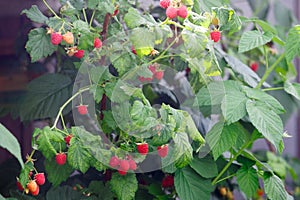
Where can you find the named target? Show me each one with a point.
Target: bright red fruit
(56, 38)
(260, 192)
(171, 12)
(215, 35)
(40, 178)
(97, 43)
(159, 75)
(114, 162)
(133, 50)
(68, 139)
(152, 68)
(254, 66)
(168, 181)
(124, 165)
(79, 54)
(82, 109)
(116, 11)
(123, 173)
(163, 150)
(132, 165)
(164, 3)
(182, 12)
(19, 186)
(36, 192)
(142, 148)
(61, 158)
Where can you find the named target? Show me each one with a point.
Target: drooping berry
(223, 191)
(164, 3)
(124, 165)
(122, 173)
(68, 139)
(171, 12)
(182, 12)
(254, 66)
(61, 158)
(19, 186)
(56, 38)
(152, 68)
(159, 75)
(132, 165)
(32, 186)
(97, 43)
(215, 35)
(40, 178)
(142, 148)
(82, 109)
(114, 162)
(167, 181)
(79, 54)
(163, 150)
(68, 37)
(36, 192)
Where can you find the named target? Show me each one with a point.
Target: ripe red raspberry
(152, 68)
(142, 148)
(114, 162)
(163, 150)
(36, 192)
(182, 12)
(159, 75)
(124, 165)
(171, 12)
(68, 139)
(61, 158)
(82, 109)
(122, 173)
(97, 43)
(164, 3)
(79, 54)
(68, 37)
(19, 186)
(254, 66)
(168, 181)
(56, 38)
(132, 165)
(40, 178)
(215, 35)
(143, 79)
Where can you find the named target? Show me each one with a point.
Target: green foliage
(35, 15)
(247, 179)
(292, 44)
(274, 187)
(56, 174)
(124, 186)
(253, 39)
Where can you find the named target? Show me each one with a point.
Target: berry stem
(273, 89)
(92, 18)
(65, 104)
(227, 177)
(84, 15)
(63, 121)
(51, 10)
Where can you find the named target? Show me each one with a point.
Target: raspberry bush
(162, 106)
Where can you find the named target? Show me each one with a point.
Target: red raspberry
(116, 11)
(260, 192)
(142, 148)
(19, 186)
(143, 79)
(114, 162)
(68, 139)
(254, 66)
(40, 178)
(36, 192)
(168, 181)
(159, 75)
(171, 12)
(61, 158)
(122, 173)
(215, 35)
(182, 12)
(152, 68)
(56, 38)
(133, 50)
(97, 43)
(163, 150)
(164, 3)
(30, 174)
(68, 37)
(79, 54)
(82, 109)
(124, 165)
(132, 165)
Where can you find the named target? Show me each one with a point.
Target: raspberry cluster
(173, 9)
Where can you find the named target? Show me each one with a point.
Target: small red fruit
(133, 50)
(142, 148)
(116, 11)
(36, 192)
(19, 186)
(97, 43)
(182, 12)
(124, 165)
(132, 165)
(168, 181)
(30, 174)
(114, 162)
(68, 37)
(32, 186)
(159, 75)
(215, 35)
(260, 192)
(56, 38)
(164, 3)
(40, 178)
(254, 66)
(79, 54)
(82, 109)
(163, 150)
(122, 173)
(68, 139)
(61, 158)
(152, 68)
(171, 12)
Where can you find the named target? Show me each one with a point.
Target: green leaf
(24, 178)
(292, 89)
(45, 96)
(247, 179)
(192, 130)
(9, 141)
(134, 18)
(253, 39)
(102, 190)
(292, 46)
(124, 186)
(194, 43)
(266, 121)
(56, 174)
(64, 193)
(200, 165)
(106, 6)
(39, 45)
(79, 157)
(183, 150)
(143, 41)
(274, 187)
(228, 20)
(35, 15)
(190, 186)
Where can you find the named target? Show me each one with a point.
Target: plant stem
(92, 18)
(84, 15)
(65, 104)
(269, 70)
(63, 121)
(273, 89)
(227, 177)
(51, 10)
